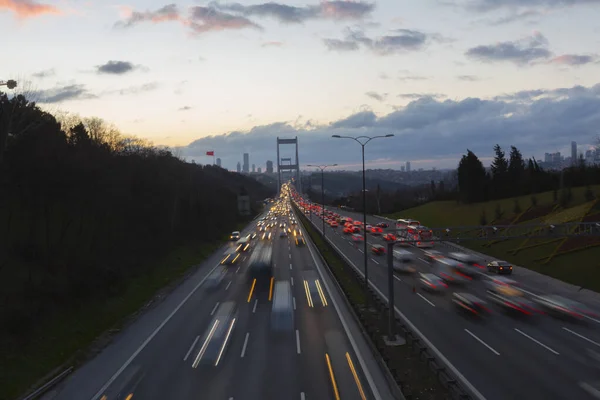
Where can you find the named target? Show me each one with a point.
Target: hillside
(574, 260)
(338, 184)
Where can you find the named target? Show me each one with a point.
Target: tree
(517, 207)
(516, 170)
(472, 180)
(499, 169)
(589, 194)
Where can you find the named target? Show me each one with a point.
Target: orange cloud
(28, 8)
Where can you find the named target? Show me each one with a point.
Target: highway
(501, 358)
(160, 355)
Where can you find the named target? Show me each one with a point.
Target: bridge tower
(289, 165)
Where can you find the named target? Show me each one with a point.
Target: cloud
(138, 89)
(272, 44)
(429, 129)
(334, 10)
(199, 20)
(377, 96)
(63, 93)
(43, 74)
(515, 16)
(413, 96)
(468, 78)
(185, 108)
(491, 5)
(398, 41)
(28, 8)
(522, 52)
(169, 12)
(574, 59)
(116, 67)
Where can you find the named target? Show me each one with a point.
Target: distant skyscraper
(239, 167)
(253, 168)
(218, 162)
(402, 168)
(408, 166)
(269, 167)
(573, 152)
(259, 170)
(246, 166)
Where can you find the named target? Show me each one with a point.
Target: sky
(443, 76)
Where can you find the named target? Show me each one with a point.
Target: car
(300, 241)
(217, 336)
(389, 237)
(469, 263)
(383, 225)
(348, 230)
(253, 236)
(216, 277)
(235, 235)
(404, 261)
(230, 257)
(243, 244)
(376, 231)
(470, 304)
(432, 255)
(400, 241)
(315, 294)
(559, 306)
(368, 228)
(450, 271)
(283, 234)
(378, 249)
(431, 282)
(511, 299)
(282, 312)
(357, 237)
(333, 224)
(500, 267)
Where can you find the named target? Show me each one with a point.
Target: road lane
(524, 369)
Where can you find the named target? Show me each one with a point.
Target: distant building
(269, 167)
(253, 168)
(548, 157)
(239, 167)
(259, 170)
(408, 166)
(573, 152)
(246, 167)
(218, 162)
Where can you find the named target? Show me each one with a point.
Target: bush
(589, 194)
(483, 218)
(517, 207)
(498, 211)
(534, 201)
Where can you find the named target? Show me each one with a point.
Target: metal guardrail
(48, 385)
(416, 339)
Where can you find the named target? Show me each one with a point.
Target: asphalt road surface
(159, 356)
(501, 358)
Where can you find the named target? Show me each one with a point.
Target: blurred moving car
(378, 249)
(432, 283)
(243, 244)
(300, 241)
(216, 277)
(283, 234)
(282, 312)
(234, 235)
(404, 261)
(511, 299)
(432, 255)
(315, 295)
(560, 306)
(469, 263)
(261, 261)
(470, 304)
(383, 225)
(450, 271)
(230, 257)
(500, 267)
(357, 237)
(389, 237)
(216, 339)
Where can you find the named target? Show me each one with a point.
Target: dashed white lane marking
(255, 304)
(537, 341)
(581, 336)
(191, 348)
(245, 344)
(482, 342)
(424, 298)
(215, 308)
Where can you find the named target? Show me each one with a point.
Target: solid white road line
(424, 298)
(537, 341)
(214, 308)
(229, 284)
(297, 341)
(245, 344)
(294, 300)
(255, 304)
(191, 348)
(292, 280)
(482, 342)
(581, 336)
(143, 345)
(375, 261)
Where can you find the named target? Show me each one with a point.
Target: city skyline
(512, 74)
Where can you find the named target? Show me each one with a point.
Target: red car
(389, 237)
(357, 237)
(378, 249)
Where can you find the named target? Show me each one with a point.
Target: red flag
(210, 153)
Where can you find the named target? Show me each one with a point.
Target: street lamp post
(9, 84)
(363, 140)
(322, 168)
